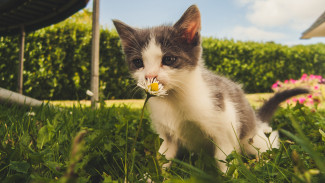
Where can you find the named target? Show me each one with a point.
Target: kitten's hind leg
(264, 139)
(168, 148)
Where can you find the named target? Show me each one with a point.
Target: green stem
(137, 134)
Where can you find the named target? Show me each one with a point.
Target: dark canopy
(35, 14)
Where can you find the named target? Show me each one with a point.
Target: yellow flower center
(154, 87)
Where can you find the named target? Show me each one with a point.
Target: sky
(280, 21)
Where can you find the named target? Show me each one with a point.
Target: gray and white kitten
(202, 111)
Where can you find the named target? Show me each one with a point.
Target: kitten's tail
(266, 112)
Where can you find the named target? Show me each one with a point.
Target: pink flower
(304, 77)
(318, 77)
(302, 100)
(275, 85)
(313, 82)
(312, 76)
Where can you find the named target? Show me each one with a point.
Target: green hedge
(258, 65)
(57, 62)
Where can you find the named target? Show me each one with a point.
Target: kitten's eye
(168, 60)
(138, 63)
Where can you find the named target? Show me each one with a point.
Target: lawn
(255, 100)
(77, 144)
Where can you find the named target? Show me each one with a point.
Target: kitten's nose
(151, 76)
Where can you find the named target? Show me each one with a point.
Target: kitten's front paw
(146, 176)
(167, 165)
(223, 167)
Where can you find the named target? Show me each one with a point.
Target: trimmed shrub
(258, 65)
(57, 63)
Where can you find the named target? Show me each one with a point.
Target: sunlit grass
(132, 103)
(78, 144)
(256, 100)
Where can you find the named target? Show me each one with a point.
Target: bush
(258, 65)
(57, 62)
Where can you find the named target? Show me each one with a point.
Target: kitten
(202, 111)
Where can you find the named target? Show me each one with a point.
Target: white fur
(170, 117)
(259, 141)
(175, 117)
(152, 55)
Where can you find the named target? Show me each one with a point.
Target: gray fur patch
(224, 88)
(172, 44)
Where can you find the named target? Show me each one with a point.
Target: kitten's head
(166, 53)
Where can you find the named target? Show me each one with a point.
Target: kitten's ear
(190, 24)
(124, 32)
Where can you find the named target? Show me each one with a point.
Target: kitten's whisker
(131, 90)
(178, 86)
(136, 90)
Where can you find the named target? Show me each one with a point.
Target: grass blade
(308, 148)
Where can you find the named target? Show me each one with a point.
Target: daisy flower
(152, 87)
(30, 113)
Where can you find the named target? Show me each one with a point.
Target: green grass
(77, 144)
(132, 103)
(256, 100)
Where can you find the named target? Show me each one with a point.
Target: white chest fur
(191, 117)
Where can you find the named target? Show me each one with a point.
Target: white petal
(146, 85)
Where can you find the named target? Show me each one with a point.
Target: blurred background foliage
(57, 62)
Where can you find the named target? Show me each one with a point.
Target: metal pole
(95, 55)
(21, 60)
